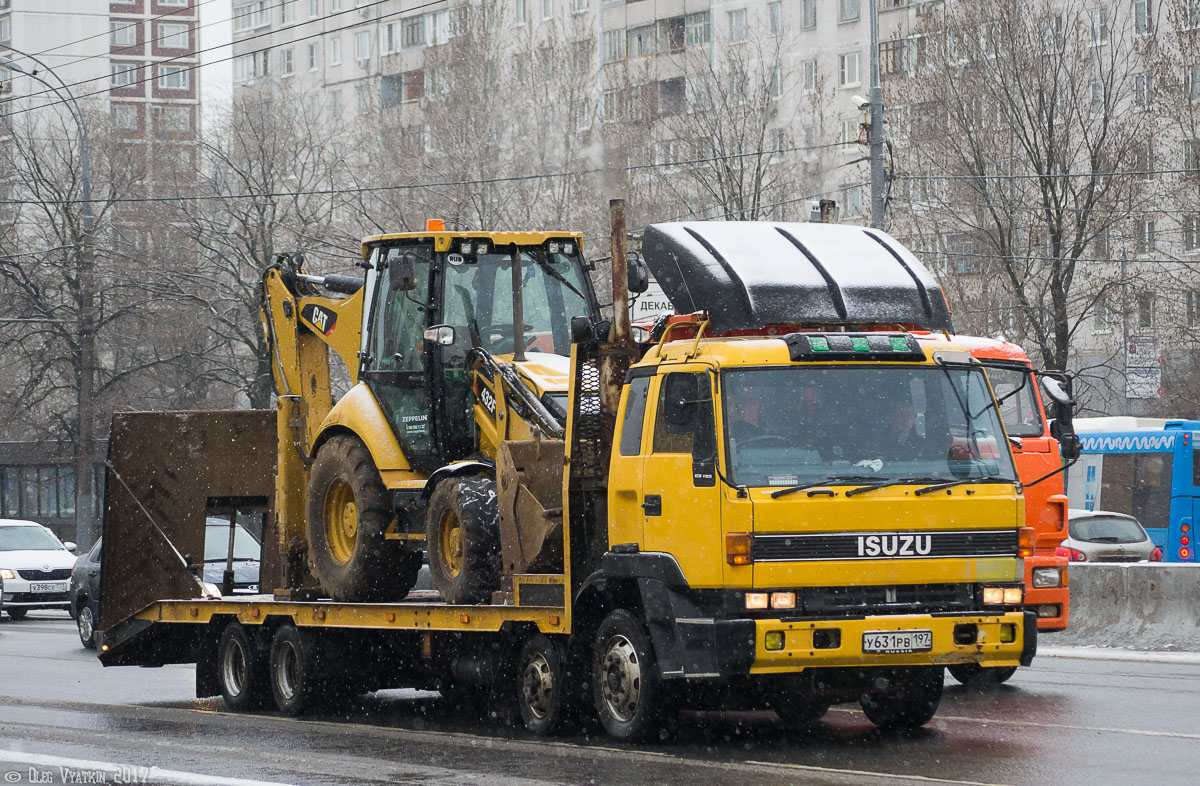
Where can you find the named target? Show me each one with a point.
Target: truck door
(394, 366)
(681, 508)
(625, 514)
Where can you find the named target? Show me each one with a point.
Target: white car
(35, 568)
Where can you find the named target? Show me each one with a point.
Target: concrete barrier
(1142, 606)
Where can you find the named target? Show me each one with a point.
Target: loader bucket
(165, 471)
(529, 477)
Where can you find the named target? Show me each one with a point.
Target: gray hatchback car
(1102, 536)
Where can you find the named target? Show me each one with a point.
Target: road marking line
(1136, 656)
(137, 772)
(870, 774)
(1033, 724)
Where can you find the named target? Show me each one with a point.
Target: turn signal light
(1025, 542)
(773, 640)
(1008, 633)
(737, 548)
(1185, 553)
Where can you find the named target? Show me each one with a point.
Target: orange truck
(1037, 454)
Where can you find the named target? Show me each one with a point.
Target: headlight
(1047, 577)
(1013, 596)
(993, 596)
(5, 573)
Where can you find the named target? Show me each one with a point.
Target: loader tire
(348, 510)
(462, 537)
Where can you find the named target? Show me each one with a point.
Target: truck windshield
(1018, 395)
(478, 300)
(806, 424)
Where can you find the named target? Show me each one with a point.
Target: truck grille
(795, 547)
(57, 574)
(924, 598)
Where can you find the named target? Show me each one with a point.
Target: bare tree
(1021, 120)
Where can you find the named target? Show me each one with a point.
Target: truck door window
(1018, 397)
(684, 423)
(635, 414)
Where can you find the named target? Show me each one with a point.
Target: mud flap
(1030, 641)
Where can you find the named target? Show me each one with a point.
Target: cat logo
(321, 319)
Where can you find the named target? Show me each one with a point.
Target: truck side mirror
(1062, 428)
(402, 273)
(637, 273)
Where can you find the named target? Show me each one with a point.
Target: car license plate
(61, 587)
(893, 641)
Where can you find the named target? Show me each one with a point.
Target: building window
(5, 29)
(362, 47)
(810, 136)
(1191, 154)
(1193, 307)
(1100, 319)
(414, 85)
(547, 9)
(123, 74)
(848, 70)
(1145, 237)
(362, 97)
(578, 6)
(849, 133)
(1191, 232)
(670, 32)
(119, 33)
(314, 9)
(1099, 25)
(775, 83)
(335, 51)
(249, 67)
(1145, 310)
(737, 24)
(775, 17)
(640, 41)
(852, 201)
(1141, 17)
(847, 10)
(521, 12)
(413, 31)
(249, 16)
(335, 102)
(1141, 89)
(808, 14)
(125, 116)
(176, 3)
(173, 77)
(287, 62)
(1100, 245)
(614, 45)
(809, 68)
(173, 36)
(775, 140)
(891, 56)
(1097, 93)
(697, 28)
(312, 56)
(287, 11)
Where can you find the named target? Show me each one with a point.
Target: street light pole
(85, 328)
(875, 107)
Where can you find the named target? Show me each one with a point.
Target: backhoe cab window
(789, 426)
(479, 298)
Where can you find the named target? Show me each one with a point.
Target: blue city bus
(1143, 467)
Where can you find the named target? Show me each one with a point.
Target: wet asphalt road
(1065, 720)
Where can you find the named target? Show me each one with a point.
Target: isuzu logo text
(895, 545)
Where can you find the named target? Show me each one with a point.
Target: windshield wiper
(836, 480)
(949, 483)
(884, 484)
(545, 265)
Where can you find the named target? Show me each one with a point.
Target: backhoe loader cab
(461, 290)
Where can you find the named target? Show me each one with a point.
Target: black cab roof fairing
(747, 274)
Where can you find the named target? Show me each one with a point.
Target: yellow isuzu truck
(784, 500)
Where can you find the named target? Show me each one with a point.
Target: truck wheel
(545, 695)
(799, 712)
(348, 511)
(295, 673)
(462, 537)
(979, 676)
(241, 670)
(631, 700)
(908, 705)
(85, 622)
(17, 614)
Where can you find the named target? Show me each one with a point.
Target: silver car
(1101, 536)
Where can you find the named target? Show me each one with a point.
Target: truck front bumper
(1001, 639)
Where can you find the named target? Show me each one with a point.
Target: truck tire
(348, 510)
(462, 537)
(979, 676)
(295, 671)
(17, 614)
(546, 692)
(241, 670)
(908, 705)
(630, 697)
